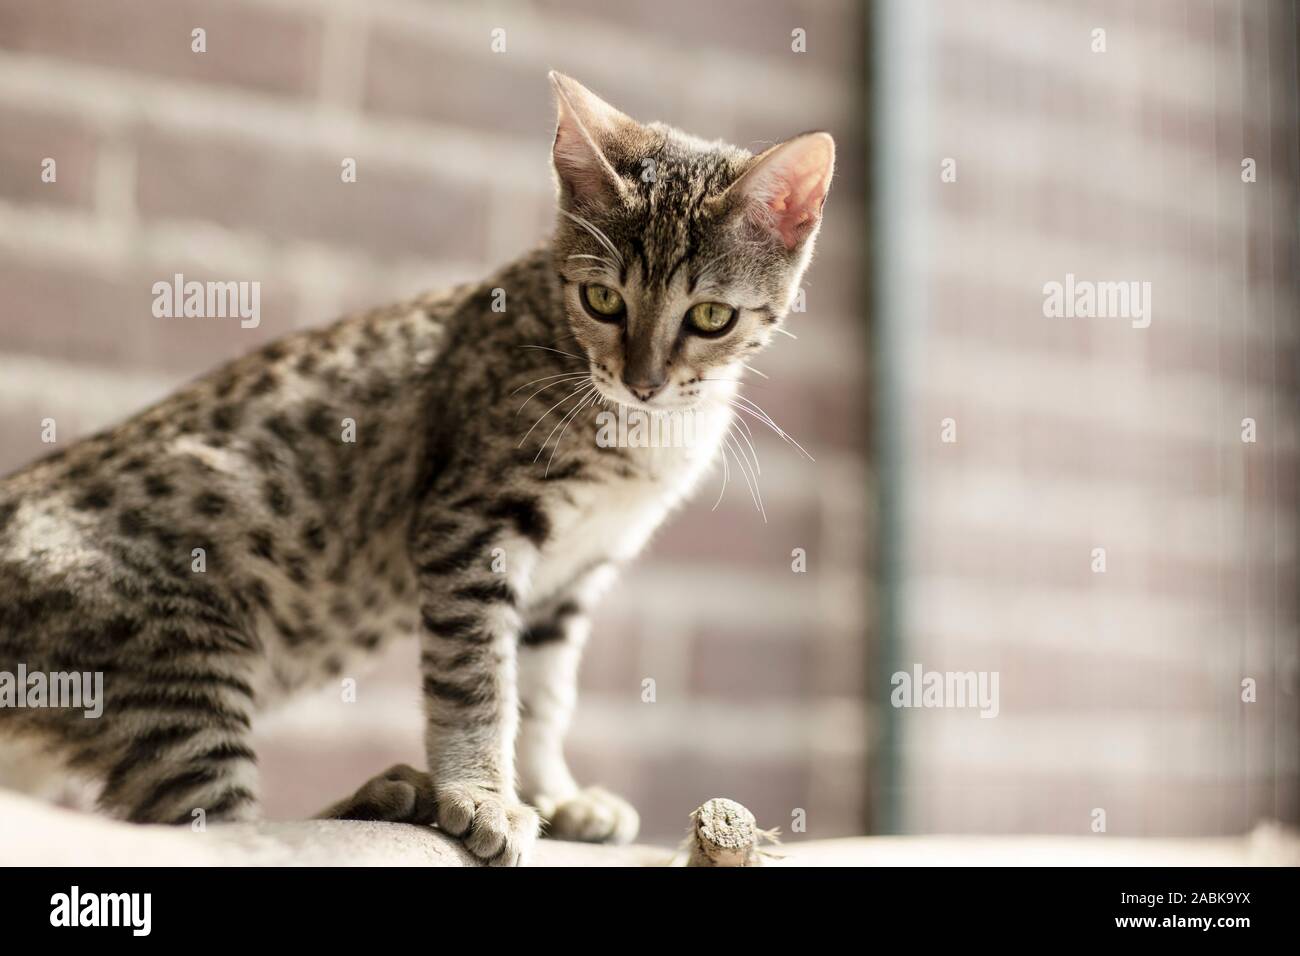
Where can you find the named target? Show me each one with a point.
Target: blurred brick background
(226, 165)
(1119, 690)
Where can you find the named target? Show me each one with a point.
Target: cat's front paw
(499, 831)
(592, 815)
(401, 794)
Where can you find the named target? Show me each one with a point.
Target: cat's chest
(609, 523)
(611, 520)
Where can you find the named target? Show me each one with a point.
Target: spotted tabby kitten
(448, 518)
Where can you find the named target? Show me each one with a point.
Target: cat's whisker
(752, 408)
(603, 239)
(543, 379)
(576, 391)
(757, 469)
(772, 426)
(762, 413)
(603, 260)
(776, 429)
(733, 382)
(753, 465)
(565, 419)
(756, 371)
(581, 405)
(751, 481)
(787, 332)
(729, 443)
(547, 348)
(565, 381)
(726, 474)
(743, 424)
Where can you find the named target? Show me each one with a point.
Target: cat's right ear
(584, 123)
(784, 189)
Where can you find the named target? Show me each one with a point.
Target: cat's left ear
(785, 187)
(585, 126)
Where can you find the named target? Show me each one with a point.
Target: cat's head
(679, 258)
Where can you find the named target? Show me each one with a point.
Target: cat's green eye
(603, 300)
(710, 317)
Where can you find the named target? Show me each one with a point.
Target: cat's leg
(173, 742)
(162, 727)
(469, 636)
(214, 780)
(180, 754)
(550, 649)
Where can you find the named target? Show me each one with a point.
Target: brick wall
(226, 165)
(1120, 690)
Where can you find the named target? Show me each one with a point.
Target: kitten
(345, 486)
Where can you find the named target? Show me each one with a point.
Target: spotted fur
(482, 529)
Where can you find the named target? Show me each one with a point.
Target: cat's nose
(644, 388)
